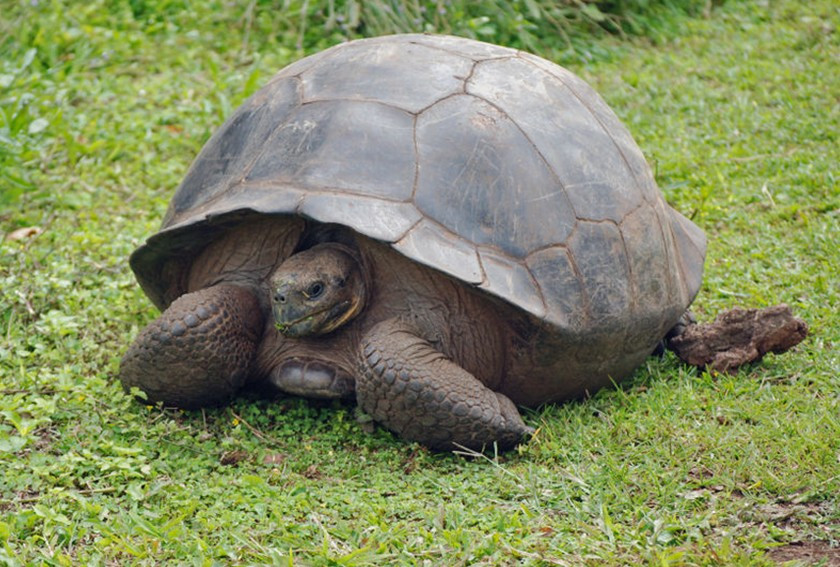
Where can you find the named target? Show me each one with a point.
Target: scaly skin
(414, 390)
(200, 351)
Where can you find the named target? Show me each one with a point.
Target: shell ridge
(416, 148)
(418, 37)
(407, 246)
(360, 100)
(534, 283)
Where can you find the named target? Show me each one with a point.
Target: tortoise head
(318, 290)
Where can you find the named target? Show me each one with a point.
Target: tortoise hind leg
(417, 392)
(686, 320)
(200, 351)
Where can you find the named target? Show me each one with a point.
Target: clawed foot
(415, 391)
(199, 352)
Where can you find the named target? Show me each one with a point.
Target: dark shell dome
(497, 167)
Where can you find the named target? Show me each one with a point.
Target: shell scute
(494, 185)
(365, 148)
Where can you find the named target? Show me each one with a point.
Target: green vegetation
(102, 107)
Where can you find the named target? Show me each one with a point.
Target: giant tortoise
(440, 228)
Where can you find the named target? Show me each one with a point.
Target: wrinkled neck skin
(318, 290)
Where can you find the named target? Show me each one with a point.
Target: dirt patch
(797, 519)
(807, 553)
(229, 458)
(312, 472)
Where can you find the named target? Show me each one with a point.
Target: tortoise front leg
(200, 351)
(420, 394)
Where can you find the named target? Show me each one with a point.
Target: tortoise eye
(315, 290)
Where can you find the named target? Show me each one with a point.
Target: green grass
(102, 107)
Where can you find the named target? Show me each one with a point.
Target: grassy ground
(102, 108)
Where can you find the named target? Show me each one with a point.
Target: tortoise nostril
(279, 298)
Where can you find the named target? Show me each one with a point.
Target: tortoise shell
(494, 166)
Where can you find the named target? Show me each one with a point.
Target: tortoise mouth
(313, 323)
(296, 326)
